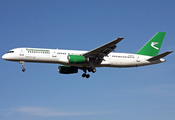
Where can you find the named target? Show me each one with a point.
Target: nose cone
(4, 57)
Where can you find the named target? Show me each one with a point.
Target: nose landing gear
(23, 69)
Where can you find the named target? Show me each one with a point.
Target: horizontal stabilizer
(160, 56)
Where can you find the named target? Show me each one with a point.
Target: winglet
(160, 56)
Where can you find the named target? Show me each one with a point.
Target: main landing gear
(93, 70)
(23, 69)
(85, 75)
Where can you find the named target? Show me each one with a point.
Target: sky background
(41, 93)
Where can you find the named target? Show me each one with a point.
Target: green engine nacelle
(77, 59)
(63, 69)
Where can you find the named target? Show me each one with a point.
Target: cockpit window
(10, 52)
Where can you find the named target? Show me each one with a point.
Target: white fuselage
(59, 56)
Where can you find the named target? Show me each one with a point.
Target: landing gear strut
(23, 69)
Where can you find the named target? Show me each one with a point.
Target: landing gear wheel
(23, 69)
(87, 76)
(94, 70)
(83, 75)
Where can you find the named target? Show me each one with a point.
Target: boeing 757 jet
(73, 60)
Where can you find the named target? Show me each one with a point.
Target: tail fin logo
(154, 43)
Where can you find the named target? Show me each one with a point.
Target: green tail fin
(152, 47)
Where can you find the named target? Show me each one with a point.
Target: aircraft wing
(97, 54)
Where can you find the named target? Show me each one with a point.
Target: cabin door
(21, 52)
(138, 59)
(54, 54)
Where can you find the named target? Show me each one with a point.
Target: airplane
(104, 56)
